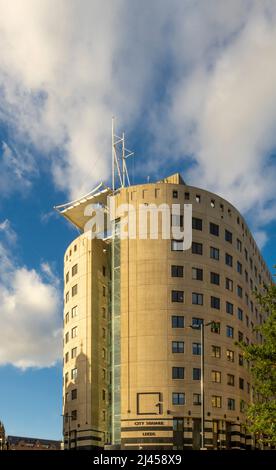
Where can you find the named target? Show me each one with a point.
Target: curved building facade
(141, 303)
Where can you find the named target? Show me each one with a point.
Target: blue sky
(192, 84)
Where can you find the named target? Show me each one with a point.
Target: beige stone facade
(138, 369)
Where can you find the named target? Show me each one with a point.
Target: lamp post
(202, 359)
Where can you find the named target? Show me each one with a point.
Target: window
(228, 236)
(67, 317)
(197, 274)
(74, 290)
(66, 377)
(216, 376)
(241, 383)
(229, 284)
(67, 297)
(229, 331)
(197, 322)
(230, 355)
(246, 254)
(230, 380)
(177, 296)
(196, 223)
(239, 267)
(74, 415)
(196, 349)
(196, 373)
(240, 336)
(67, 277)
(67, 337)
(197, 248)
(74, 332)
(216, 351)
(215, 302)
(66, 357)
(231, 404)
(175, 194)
(177, 321)
(215, 327)
(104, 271)
(239, 245)
(196, 399)
(246, 275)
(240, 314)
(73, 353)
(240, 360)
(178, 372)
(212, 203)
(74, 394)
(103, 395)
(197, 299)
(176, 271)
(239, 291)
(177, 245)
(228, 259)
(74, 311)
(176, 220)
(103, 291)
(75, 247)
(74, 269)
(178, 346)
(242, 406)
(216, 401)
(103, 312)
(198, 198)
(229, 308)
(74, 373)
(178, 398)
(214, 278)
(214, 253)
(186, 196)
(214, 229)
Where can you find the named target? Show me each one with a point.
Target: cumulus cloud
(198, 77)
(30, 314)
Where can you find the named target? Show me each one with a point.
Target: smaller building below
(31, 443)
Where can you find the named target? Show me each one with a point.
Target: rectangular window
(231, 380)
(74, 394)
(246, 254)
(187, 196)
(104, 271)
(246, 275)
(215, 302)
(196, 399)
(229, 331)
(66, 357)
(67, 317)
(240, 336)
(239, 267)
(239, 245)
(73, 353)
(196, 373)
(177, 321)
(66, 377)
(177, 271)
(229, 284)
(197, 299)
(177, 296)
(175, 194)
(66, 337)
(74, 311)
(178, 398)
(196, 349)
(74, 269)
(241, 383)
(198, 198)
(197, 248)
(67, 277)
(239, 291)
(67, 297)
(197, 322)
(178, 372)
(74, 415)
(215, 327)
(231, 404)
(197, 274)
(74, 290)
(240, 314)
(229, 308)
(214, 253)
(74, 373)
(214, 278)
(74, 332)
(176, 220)
(216, 351)
(178, 346)
(228, 259)
(216, 401)
(228, 236)
(177, 245)
(216, 376)
(230, 355)
(214, 229)
(196, 223)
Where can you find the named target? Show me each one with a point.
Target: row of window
(74, 416)
(75, 291)
(70, 252)
(179, 398)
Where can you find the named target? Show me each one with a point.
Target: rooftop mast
(119, 156)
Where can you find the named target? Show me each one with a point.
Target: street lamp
(202, 327)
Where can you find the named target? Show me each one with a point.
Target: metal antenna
(119, 156)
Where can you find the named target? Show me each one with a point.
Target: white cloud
(199, 75)
(30, 314)
(8, 232)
